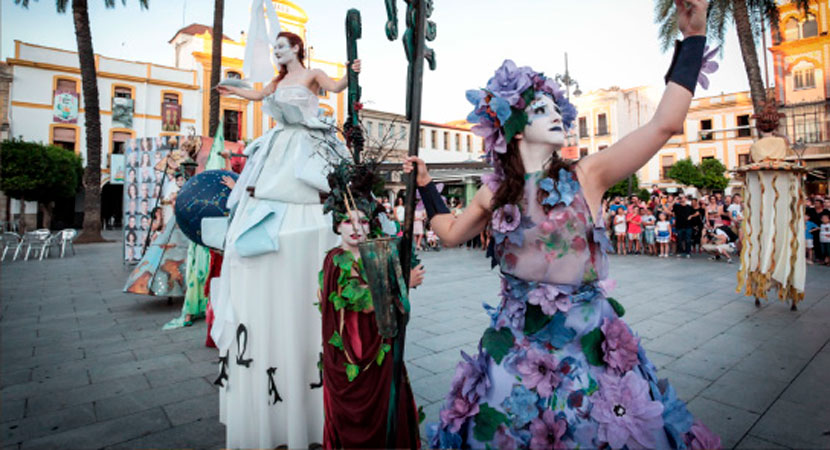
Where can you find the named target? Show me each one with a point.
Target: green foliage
(712, 172)
(38, 172)
(535, 319)
(336, 340)
(351, 371)
(497, 343)
(61, 5)
(621, 188)
(515, 124)
(686, 173)
(382, 351)
(618, 307)
(487, 422)
(592, 347)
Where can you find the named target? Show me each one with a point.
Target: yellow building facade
(801, 57)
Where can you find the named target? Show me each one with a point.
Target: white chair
(10, 240)
(66, 237)
(37, 241)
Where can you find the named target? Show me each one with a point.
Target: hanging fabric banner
(117, 169)
(65, 109)
(171, 114)
(122, 112)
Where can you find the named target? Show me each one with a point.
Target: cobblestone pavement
(83, 365)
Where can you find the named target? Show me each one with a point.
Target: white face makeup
(544, 124)
(284, 52)
(351, 235)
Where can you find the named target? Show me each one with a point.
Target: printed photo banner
(117, 169)
(65, 109)
(122, 112)
(148, 192)
(171, 117)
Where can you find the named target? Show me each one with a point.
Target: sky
(609, 42)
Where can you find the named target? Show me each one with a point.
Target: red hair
(293, 40)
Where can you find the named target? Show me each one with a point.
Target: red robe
(356, 410)
(214, 271)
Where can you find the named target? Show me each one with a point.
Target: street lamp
(568, 81)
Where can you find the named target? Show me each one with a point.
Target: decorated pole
(353, 133)
(418, 30)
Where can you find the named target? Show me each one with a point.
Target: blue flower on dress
(562, 191)
(516, 236)
(555, 332)
(676, 418)
(521, 406)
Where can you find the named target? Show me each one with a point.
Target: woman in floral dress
(558, 367)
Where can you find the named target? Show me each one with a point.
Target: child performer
(357, 362)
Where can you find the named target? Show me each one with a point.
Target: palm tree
(216, 64)
(92, 116)
(749, 17)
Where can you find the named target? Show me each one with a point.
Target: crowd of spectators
(664, 225)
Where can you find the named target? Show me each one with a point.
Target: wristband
(686, 62)
(433, 202)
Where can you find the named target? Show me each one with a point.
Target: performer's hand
(228, 181)
(223, 90)
(691, 17)
(416, 276)
(355, 65)
(225, 154)
(423, 175)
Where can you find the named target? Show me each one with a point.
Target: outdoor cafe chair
(10, 241)
(65, 238)
(37, 241)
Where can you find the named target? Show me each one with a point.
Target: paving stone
(12, 409)
(729, 422)
(133, 402)
(99, 374)
(40, 404)
(755, 443)
(20, 431)
(102, 434)
(773, 364)
(686, 386)
(175, 374)
(434, 387)
(202, 434)
(701, 364)
(752, 392)
(192, 409)
(794, 425)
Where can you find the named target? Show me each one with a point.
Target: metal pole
(413, 114)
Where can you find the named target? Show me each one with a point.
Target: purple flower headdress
(499, 108)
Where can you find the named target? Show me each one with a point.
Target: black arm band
(433, 202)
(686, 62)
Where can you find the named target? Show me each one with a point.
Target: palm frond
(61, 5)
(665, 17)
(720, 16)
(23, 3)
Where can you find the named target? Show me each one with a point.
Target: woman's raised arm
(605, 168)
(249, 94)
(452, 230)
(327, 83)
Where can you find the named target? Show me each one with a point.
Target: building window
(381, 130)
(122, 92)
(583, 152)
(601, 148)
(810, 27)
(421, 140)
(433, 139)
(402, 131)
(743, 159)
(583, 127)
(707, 157)
(705, 130)
(368, 128)
(322, 93)
(791, 30)
(743, 126)
(469, 143)
(232, 74)
(232, 125)
(170, 97)
(602, 125)
(64, 137)
(119, 138)
(446, 140)
(64, 84)
(805, 79)
(457, 142)
(666, 162)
